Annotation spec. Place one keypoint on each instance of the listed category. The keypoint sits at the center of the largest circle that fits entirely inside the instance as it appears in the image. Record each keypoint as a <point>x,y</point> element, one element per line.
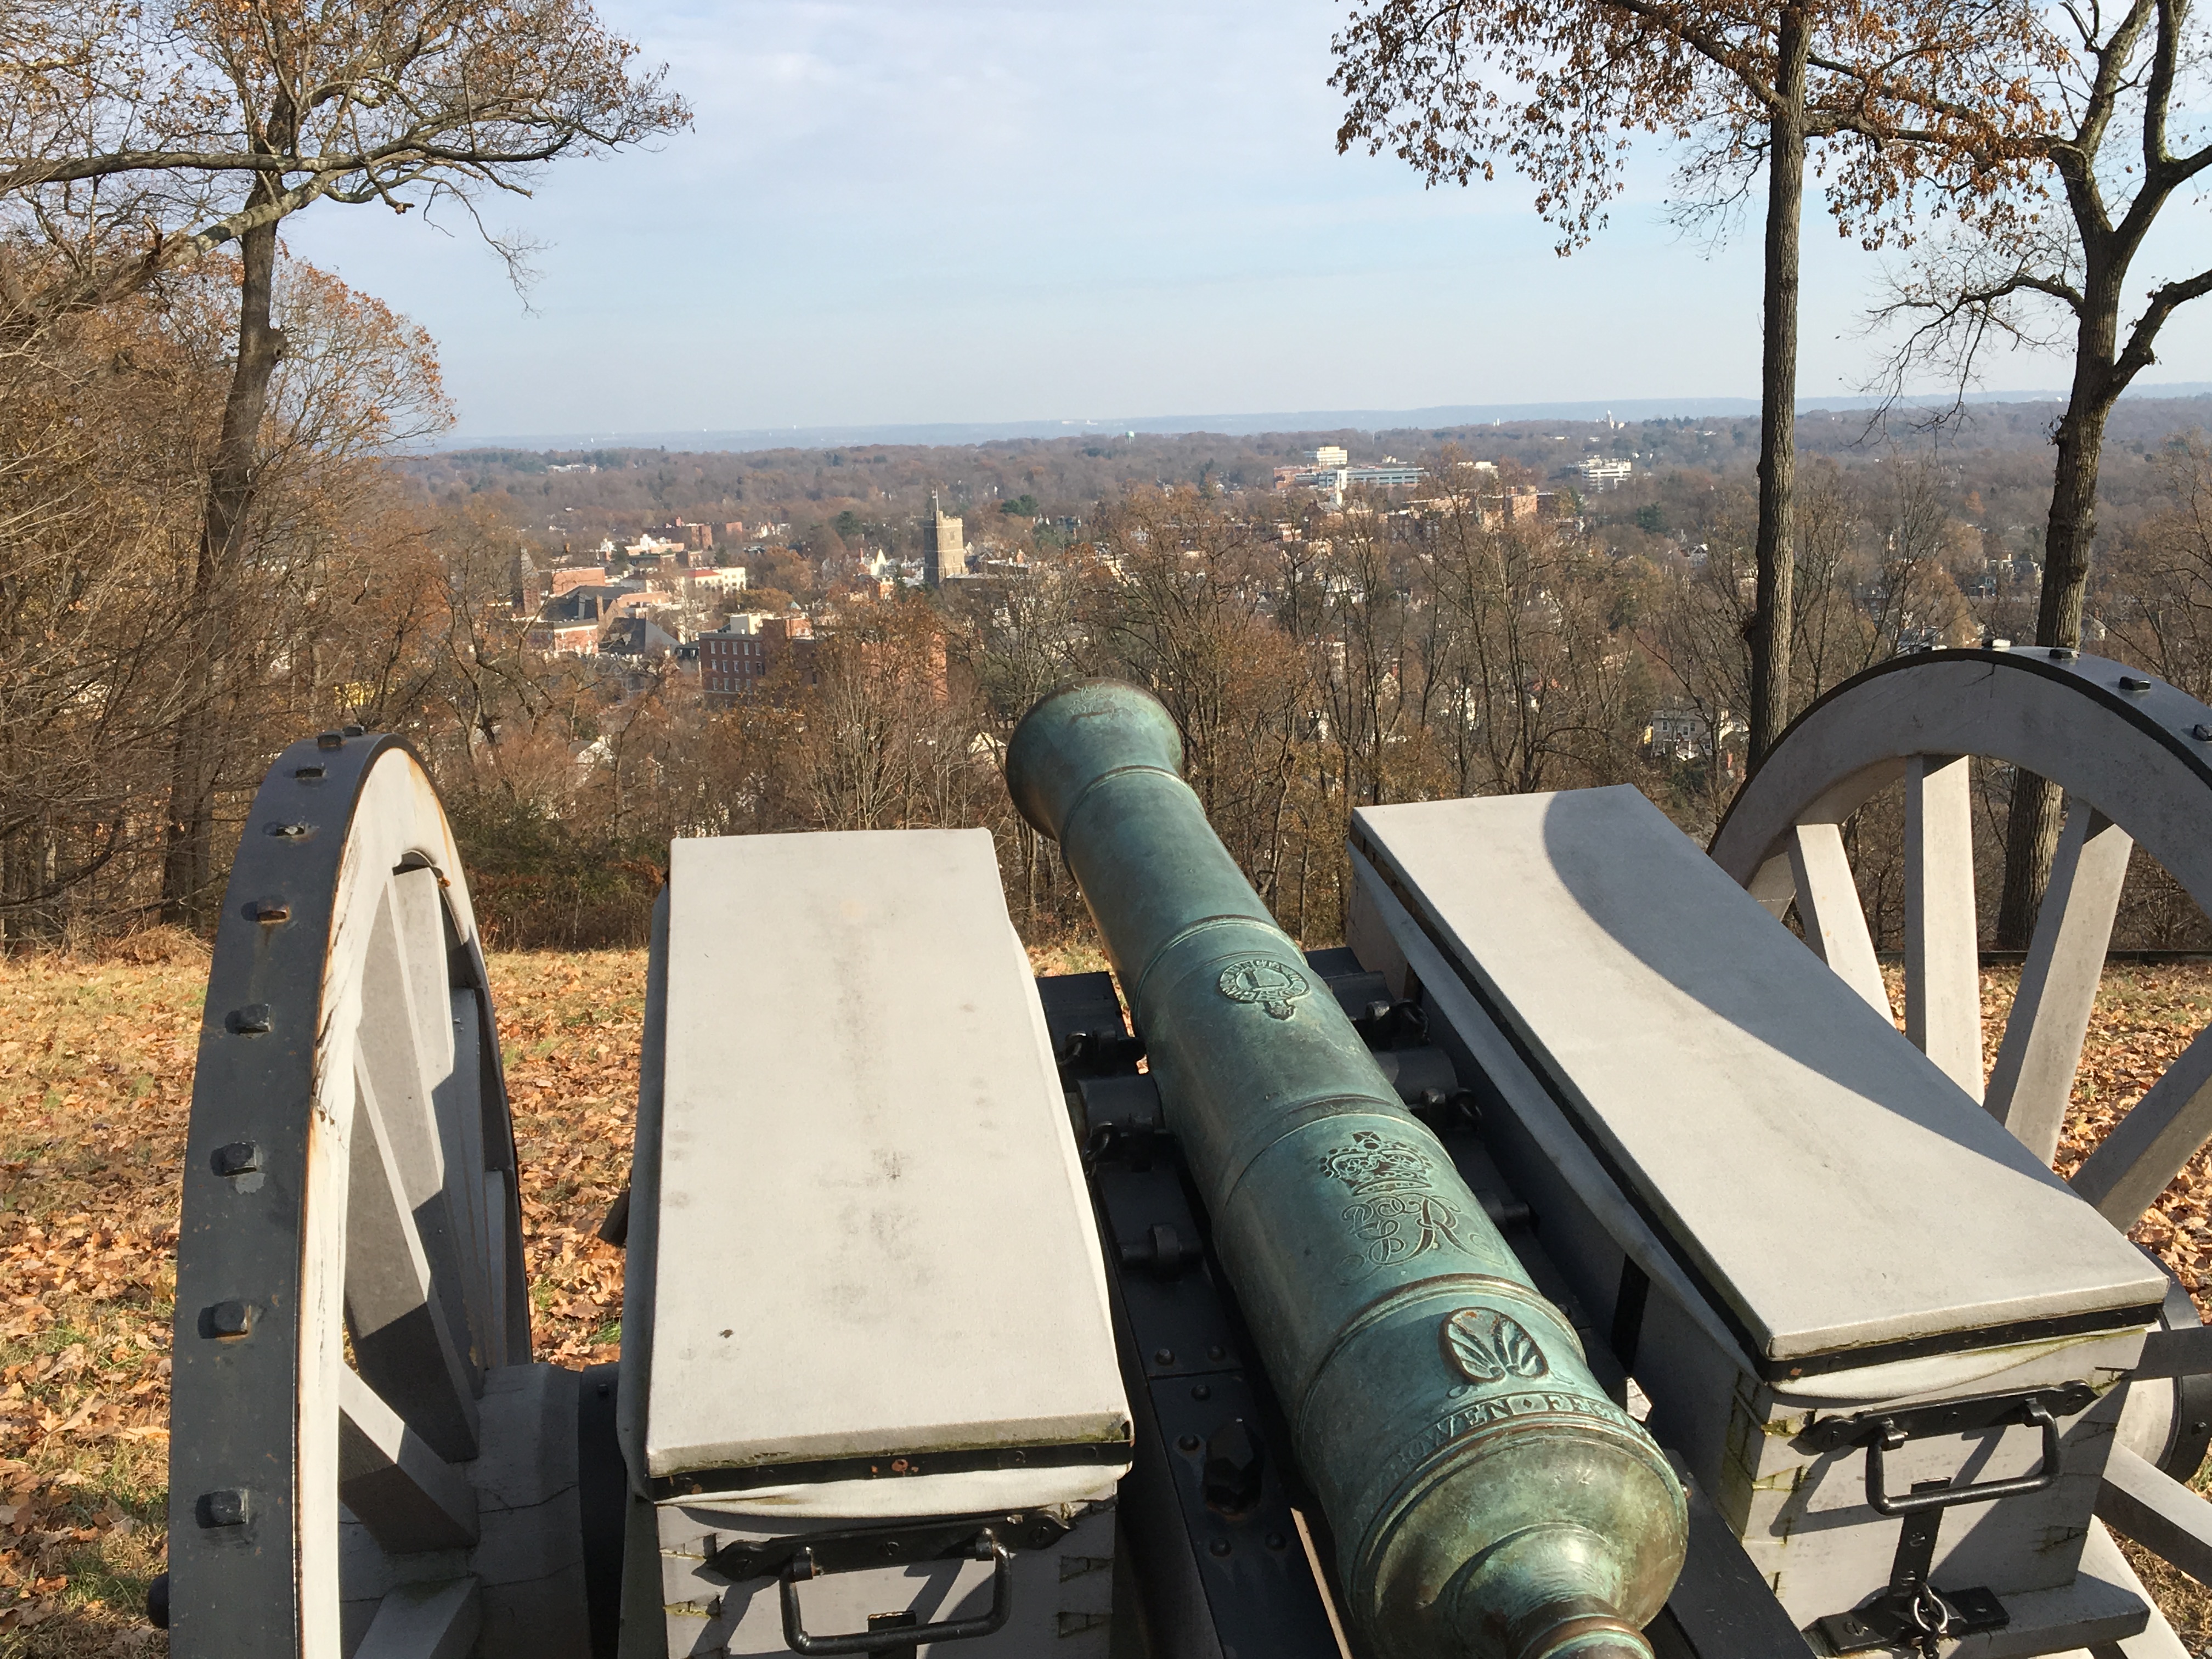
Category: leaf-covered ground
<point>96,1085</point>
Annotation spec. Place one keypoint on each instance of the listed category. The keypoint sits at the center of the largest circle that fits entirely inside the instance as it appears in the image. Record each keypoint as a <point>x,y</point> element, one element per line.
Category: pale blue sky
<point>935,210</point>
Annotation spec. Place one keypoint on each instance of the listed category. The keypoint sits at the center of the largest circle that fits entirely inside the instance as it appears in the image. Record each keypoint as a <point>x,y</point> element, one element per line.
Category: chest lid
<point>1838,1199</point>
<point>875,1252</point>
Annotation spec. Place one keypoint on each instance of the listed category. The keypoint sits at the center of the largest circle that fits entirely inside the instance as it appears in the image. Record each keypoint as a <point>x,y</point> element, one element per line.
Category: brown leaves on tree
<point>1558,89</point>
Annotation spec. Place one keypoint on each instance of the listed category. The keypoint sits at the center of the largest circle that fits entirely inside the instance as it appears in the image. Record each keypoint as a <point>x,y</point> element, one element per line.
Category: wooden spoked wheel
<point>350,1260</point>
<point>2134,757</point>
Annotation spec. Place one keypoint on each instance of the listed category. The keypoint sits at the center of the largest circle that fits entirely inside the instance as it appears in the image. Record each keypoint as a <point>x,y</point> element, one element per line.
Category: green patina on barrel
<point>1487,1497</point>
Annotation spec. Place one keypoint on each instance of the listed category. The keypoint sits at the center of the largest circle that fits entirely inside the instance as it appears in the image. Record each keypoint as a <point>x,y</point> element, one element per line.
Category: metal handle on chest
<point>907,1638</point>
<point>1884,1433</point>
<point>1890,1439</point>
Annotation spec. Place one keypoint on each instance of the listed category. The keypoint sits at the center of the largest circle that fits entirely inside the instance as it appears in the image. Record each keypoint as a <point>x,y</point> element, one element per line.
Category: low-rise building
<point>750,650</point>
<point>1389,473</point>
<point>566,636</point>
<point>567,578</point>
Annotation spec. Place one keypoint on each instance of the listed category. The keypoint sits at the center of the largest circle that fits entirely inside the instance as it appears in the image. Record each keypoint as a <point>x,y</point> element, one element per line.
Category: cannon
<point>1488,1498</point>
<point>1578,1261</point>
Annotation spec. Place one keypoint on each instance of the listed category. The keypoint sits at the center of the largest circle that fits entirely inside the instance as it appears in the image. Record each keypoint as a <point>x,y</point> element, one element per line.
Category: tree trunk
<point>195,769</point>
<point>1777,426</point>
<point>2031,827</point>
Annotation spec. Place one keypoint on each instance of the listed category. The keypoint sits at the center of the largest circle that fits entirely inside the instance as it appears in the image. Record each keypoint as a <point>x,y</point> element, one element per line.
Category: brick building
<point>751,652</point>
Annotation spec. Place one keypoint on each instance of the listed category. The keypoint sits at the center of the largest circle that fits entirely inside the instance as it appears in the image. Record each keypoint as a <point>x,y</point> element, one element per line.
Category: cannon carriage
<point>1575,1263</point>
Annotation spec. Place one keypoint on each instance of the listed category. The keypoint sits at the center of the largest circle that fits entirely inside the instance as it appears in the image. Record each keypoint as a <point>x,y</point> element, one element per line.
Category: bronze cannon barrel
<point>1487,1497</point>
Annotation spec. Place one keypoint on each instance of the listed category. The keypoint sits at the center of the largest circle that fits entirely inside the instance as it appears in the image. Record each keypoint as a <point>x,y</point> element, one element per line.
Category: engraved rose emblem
<point>1485,1345</point>
<point>1272,985</point>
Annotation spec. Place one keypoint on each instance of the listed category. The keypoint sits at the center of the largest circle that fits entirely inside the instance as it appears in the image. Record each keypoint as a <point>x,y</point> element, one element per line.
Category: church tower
<point>944,546</point>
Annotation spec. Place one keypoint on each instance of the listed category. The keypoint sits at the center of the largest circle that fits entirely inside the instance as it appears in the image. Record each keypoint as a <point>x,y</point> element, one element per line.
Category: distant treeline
<point>835,499</point>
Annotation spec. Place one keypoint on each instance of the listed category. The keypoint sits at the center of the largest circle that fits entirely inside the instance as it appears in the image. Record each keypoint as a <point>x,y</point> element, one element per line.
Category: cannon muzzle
<point>1487,1498</point>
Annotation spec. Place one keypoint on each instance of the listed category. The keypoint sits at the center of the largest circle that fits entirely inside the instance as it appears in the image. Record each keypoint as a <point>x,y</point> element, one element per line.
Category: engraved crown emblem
<point>1272,985</point>
<point>1485,1345</point>
<point>1370,1162</point>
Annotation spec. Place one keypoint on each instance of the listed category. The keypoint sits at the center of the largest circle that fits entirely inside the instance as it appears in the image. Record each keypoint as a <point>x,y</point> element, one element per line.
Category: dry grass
<point>96,1086</point>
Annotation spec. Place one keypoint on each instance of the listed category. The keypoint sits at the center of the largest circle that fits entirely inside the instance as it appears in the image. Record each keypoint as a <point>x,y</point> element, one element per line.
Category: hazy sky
<point>934,210</point>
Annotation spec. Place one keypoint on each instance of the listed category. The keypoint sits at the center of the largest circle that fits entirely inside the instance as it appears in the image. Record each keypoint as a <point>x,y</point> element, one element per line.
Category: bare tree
<point>2026,274</point>
<point>140,139</point>
<point>2161,577</point>
<point>1557,87</point>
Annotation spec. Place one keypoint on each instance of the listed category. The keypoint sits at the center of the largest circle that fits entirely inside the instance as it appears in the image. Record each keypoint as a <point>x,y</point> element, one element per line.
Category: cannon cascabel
<point>1487,1497</point>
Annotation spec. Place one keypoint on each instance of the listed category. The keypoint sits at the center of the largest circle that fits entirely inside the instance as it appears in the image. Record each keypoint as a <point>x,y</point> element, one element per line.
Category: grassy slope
<point>96,1081</point>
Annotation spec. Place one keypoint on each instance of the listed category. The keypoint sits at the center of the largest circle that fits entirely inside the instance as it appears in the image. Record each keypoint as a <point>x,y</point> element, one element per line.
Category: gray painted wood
<point>2165,1517</point>
<point>873,1234</point>
<point>2155,1641</point>
<point>419,908</point>
<point>1770,1120</point>
<point>424,1621</point>
<point>2145,1150</point>
<point>2034,1076</point>
<point>1942,960</point>
<point>406,1047</point>
<point>408,1496</point>
<point>2135,756</point>
<point>1845,750</point>
<point>2182,1350</point>
<point>401,1341</point>
<point>1828,905</point>
<point>458,1098</point>
<point>393,1048</point>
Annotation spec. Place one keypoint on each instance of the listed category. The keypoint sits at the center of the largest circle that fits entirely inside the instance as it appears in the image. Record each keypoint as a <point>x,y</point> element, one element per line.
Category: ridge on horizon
<point>1250,424</point>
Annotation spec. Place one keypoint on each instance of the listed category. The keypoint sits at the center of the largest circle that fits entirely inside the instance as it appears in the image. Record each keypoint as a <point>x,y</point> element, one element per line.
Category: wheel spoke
<point>400,1338</point>
<point>2140,1501</point>
<point>1775,885</point>
<point>421,914</point>
<point>505,1274</point>
<point>407,1065</point>
<point>2033,1078</point>
<point>1828,904</point>
<point>407,1496</point>
<point>1942,962</point>
<point>424,1621</point>
<point>393,1048</point>
<point>460,1123</point>
<point>2151,1145</point>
